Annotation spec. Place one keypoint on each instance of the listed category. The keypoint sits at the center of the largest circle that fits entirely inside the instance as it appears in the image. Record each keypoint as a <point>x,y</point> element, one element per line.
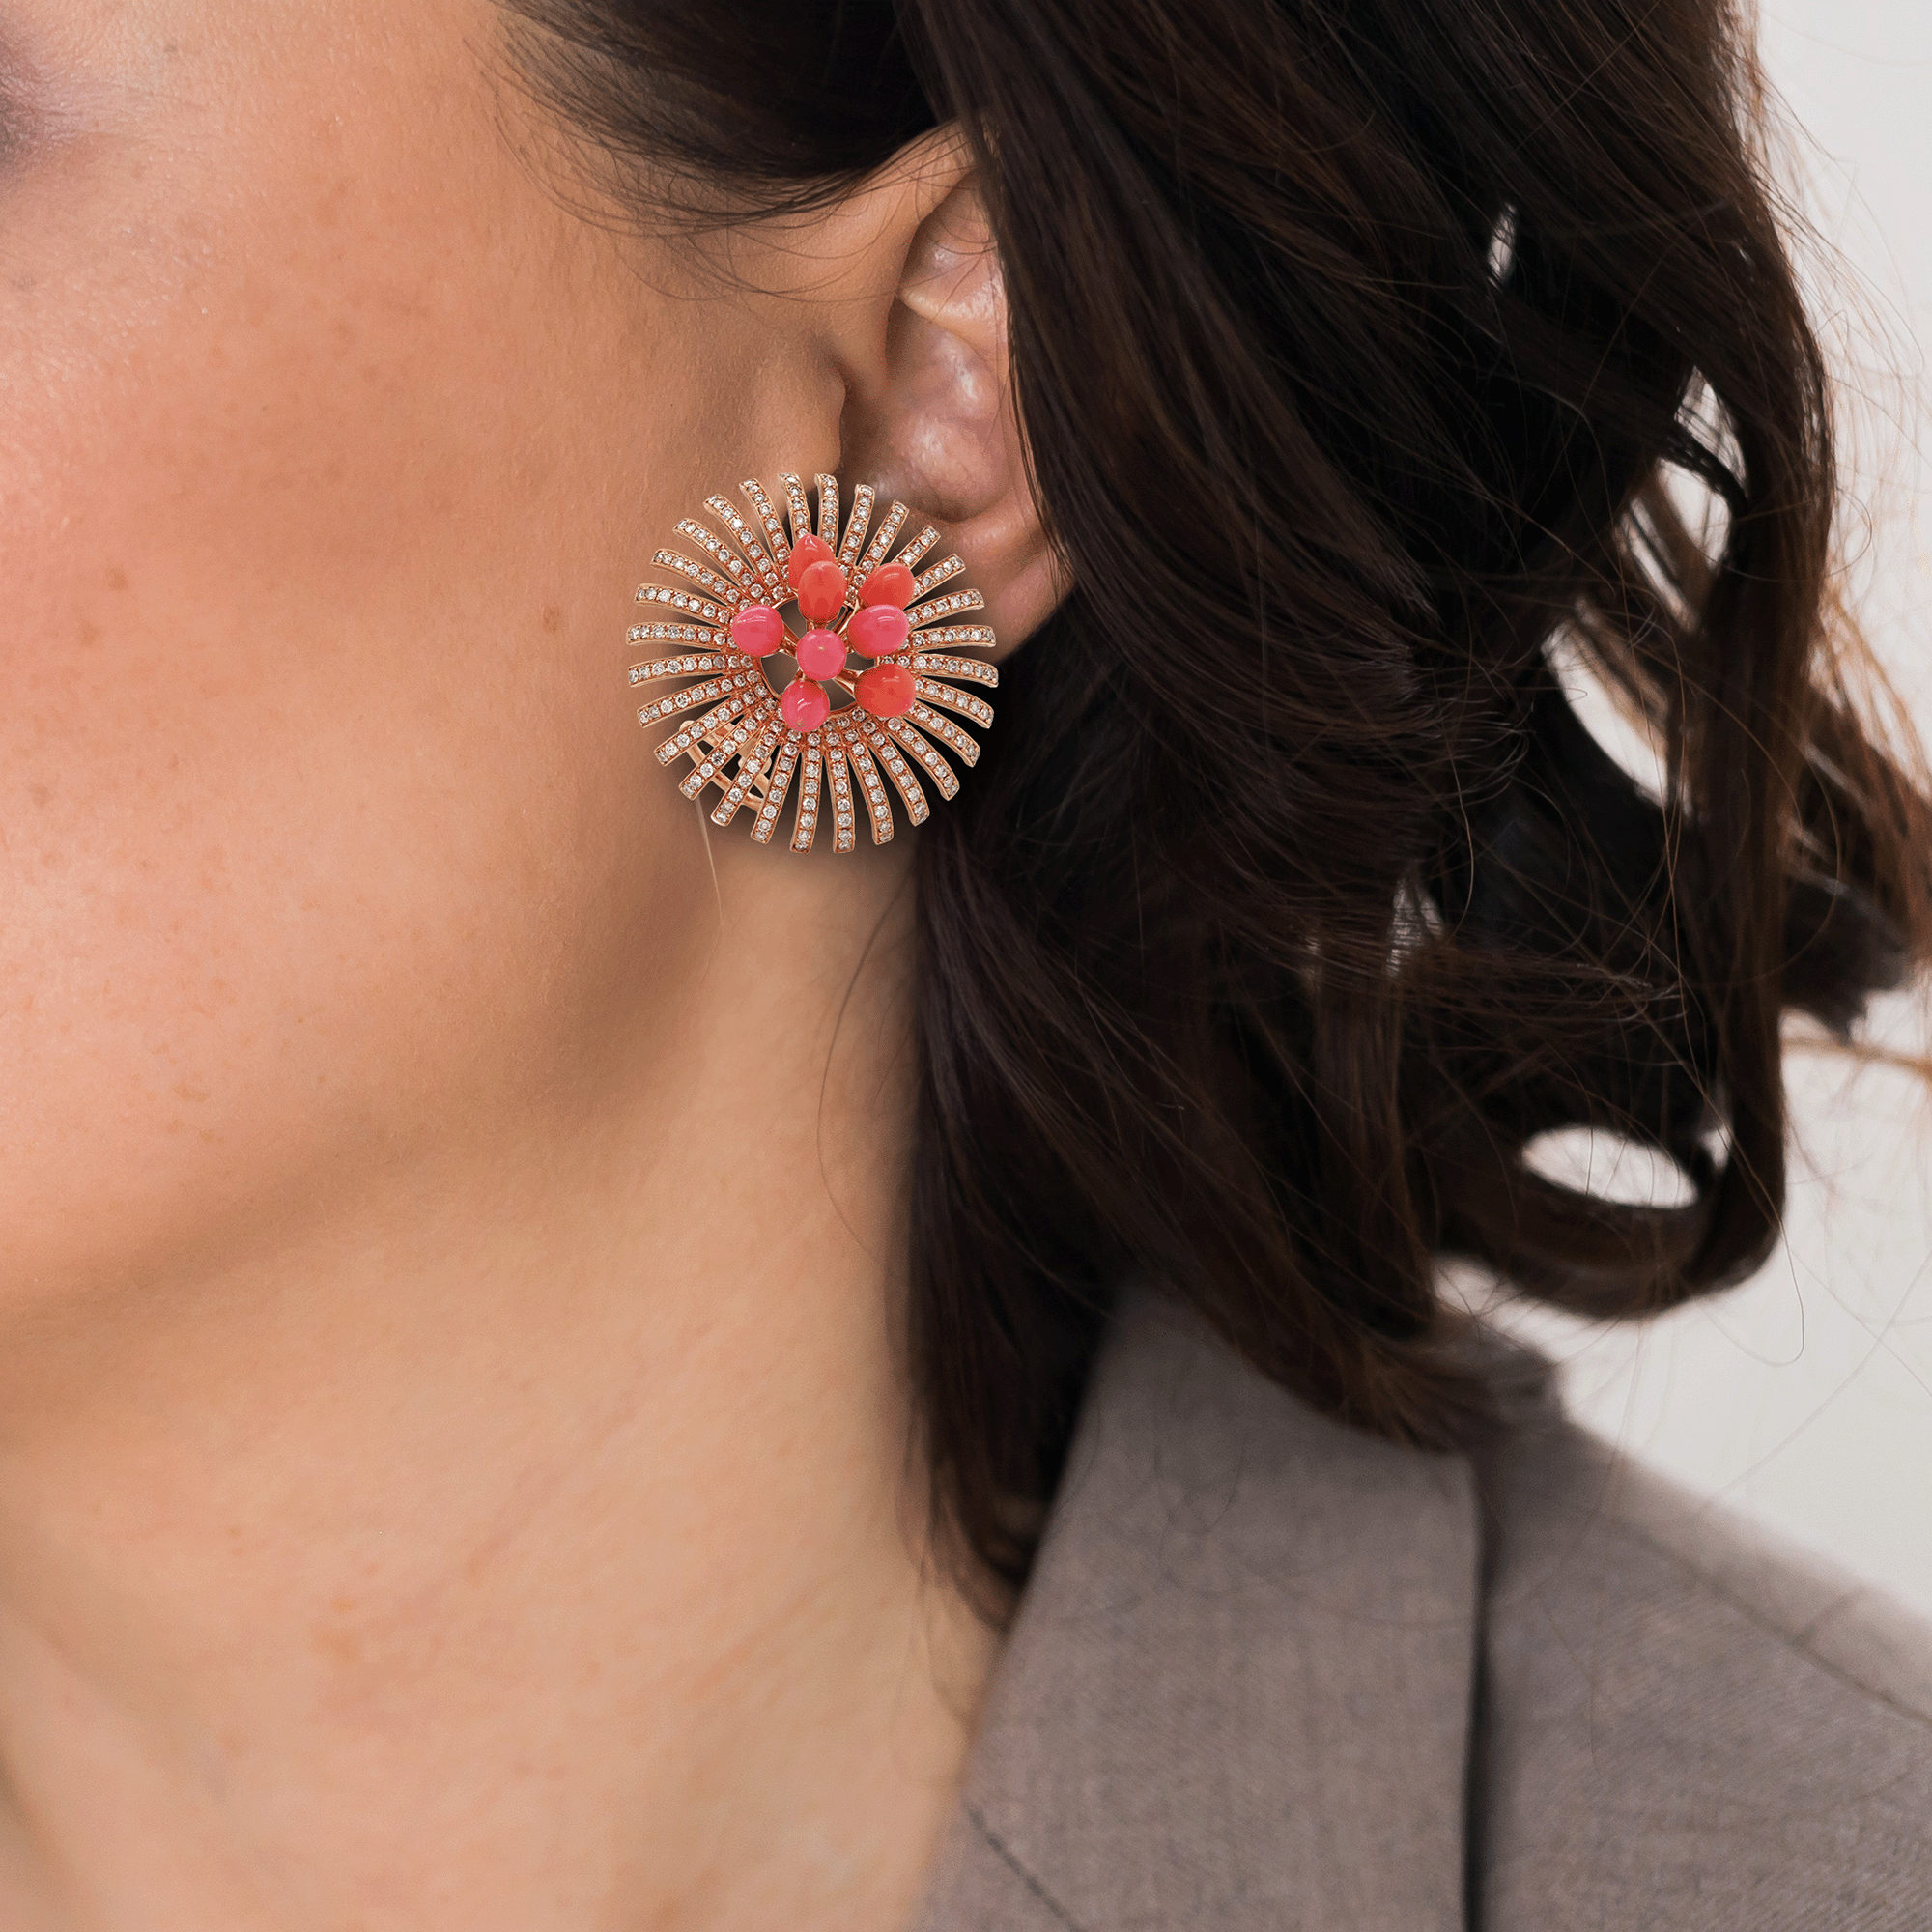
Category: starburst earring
<point>767,594</point>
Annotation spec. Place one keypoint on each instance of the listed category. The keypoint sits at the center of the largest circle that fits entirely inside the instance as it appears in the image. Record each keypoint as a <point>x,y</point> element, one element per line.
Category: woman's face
<point>333,444</point>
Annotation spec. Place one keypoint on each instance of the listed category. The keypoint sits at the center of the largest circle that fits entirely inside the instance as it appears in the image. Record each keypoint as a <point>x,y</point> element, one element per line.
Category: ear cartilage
<point>769,593</point>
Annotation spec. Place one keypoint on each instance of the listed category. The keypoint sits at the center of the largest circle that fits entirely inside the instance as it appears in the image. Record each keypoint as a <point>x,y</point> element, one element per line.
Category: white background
<point>1805,1398</point>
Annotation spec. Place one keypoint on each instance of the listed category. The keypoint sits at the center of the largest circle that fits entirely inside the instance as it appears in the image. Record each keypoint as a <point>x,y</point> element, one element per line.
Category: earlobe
<point>935,422</point>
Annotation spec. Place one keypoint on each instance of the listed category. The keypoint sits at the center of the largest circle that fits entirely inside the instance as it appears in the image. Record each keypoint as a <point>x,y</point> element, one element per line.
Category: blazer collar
<point>1238,1694</point>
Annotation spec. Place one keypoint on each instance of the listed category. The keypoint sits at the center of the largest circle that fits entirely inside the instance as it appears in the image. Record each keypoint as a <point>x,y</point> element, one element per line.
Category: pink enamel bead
<point>890,584</point>
<point>804,706</point>
<point>878,630</point>
<point>821,592</point>
<point>886,690</point>
<point>821,654</point>
<point>805,553</point>
<point>757,630</point>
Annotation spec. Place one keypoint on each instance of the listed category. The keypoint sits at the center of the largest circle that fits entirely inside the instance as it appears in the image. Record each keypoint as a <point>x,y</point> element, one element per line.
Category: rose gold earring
<point>747,730</point>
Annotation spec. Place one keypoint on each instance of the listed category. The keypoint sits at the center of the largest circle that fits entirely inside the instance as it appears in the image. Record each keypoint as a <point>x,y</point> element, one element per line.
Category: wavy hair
<point>1376,356</point>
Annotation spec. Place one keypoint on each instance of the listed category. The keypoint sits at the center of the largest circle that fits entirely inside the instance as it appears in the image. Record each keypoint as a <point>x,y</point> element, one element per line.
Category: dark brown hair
<point>1368,350</point>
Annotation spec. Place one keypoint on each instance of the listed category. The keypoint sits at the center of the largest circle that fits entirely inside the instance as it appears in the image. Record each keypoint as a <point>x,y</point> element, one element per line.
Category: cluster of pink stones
<point>878,628</point>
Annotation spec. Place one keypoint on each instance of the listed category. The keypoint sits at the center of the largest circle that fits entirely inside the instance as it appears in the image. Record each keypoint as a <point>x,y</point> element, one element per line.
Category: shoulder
<point>1271,1671</point>
<point>1680,1722</point>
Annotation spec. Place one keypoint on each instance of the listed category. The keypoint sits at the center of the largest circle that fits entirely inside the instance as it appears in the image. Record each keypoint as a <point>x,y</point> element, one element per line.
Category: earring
<point>748,728</point>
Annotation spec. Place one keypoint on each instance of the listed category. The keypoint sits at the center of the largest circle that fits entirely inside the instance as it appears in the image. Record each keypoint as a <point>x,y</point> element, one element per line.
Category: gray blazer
<point>1271,1673</point>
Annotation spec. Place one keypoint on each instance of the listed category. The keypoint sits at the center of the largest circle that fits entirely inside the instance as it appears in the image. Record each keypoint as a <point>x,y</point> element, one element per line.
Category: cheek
<point>319,818</point>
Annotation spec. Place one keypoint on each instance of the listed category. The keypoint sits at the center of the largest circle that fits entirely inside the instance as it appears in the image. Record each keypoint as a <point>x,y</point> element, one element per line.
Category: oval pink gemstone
<point>820,654</point>
<point>821,592</point>
<point>757,630</point>
<point>805,553</point>
<point>805,705</point>
<point>886,690</point>
<point>890,584</point>
<point>878,630</point>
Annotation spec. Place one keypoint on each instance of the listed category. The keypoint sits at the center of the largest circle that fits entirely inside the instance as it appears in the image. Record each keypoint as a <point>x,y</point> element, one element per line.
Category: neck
<point>532,1539</point>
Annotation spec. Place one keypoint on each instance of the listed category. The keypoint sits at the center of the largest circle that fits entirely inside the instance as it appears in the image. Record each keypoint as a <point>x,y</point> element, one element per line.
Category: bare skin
<point>455,1459</point>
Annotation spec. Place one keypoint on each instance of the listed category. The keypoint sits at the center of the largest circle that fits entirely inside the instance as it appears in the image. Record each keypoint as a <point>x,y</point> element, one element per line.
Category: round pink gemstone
<point>890,584</point>
<point>878,630</point>
<point>805,553</point>
<point>820,654</point>
<point>886,690</point>
<point>805,705</point>
<point>757,630</point>
<point>821,590</point>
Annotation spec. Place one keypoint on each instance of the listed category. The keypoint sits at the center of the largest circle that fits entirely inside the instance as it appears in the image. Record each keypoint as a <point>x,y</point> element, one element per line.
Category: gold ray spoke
<point>940,573</point>
<point>860,515</point>
<point>947,732</point>
<point>974,636</point>
<point>924,757</point>
<point>722,589</point>
<point>743,788</point>
<point>845,832</point>
<point>899,770</point>
<point>649,673</point>
<point>961,701</point>
<point>874,786</point>
<point>882,542</point>
<point>954,602</point>
<point>800,510</point>
<point>771,581</point>
<point>917,548</point>
<point>807,822</point>
<point>772,792</point>
<point>694,695</point>
<point>753,492</point>
<point>710,768</point>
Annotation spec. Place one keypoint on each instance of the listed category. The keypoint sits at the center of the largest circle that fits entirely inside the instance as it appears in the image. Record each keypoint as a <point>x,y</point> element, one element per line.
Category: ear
<point>930,414</point>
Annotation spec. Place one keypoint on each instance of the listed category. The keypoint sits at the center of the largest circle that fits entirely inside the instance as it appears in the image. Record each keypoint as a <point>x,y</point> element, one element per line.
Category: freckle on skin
<point>40,794</point>
<point>552,617</point>
<point>338,1644</point>
<point>186,1093</point>
<point>117,578</point>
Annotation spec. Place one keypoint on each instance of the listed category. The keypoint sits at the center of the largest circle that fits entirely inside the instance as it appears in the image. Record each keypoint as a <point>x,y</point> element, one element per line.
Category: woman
<point>564,1366</point>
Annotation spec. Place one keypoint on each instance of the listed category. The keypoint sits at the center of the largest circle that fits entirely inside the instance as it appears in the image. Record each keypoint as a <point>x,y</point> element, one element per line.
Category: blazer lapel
<point>1238,1692</point>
